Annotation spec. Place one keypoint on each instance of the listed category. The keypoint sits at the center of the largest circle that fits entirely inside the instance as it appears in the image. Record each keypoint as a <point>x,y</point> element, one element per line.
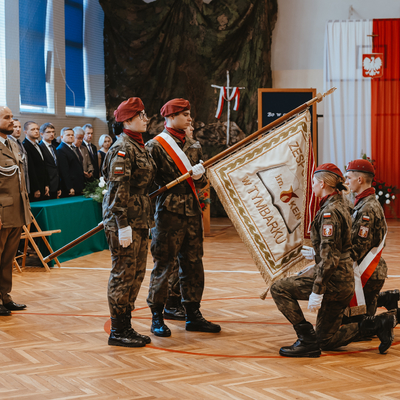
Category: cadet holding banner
<point>329,285</point>
<point>178,231</point>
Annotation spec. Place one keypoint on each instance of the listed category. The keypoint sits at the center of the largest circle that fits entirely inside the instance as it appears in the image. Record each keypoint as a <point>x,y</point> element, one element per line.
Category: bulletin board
<point>273,103</point>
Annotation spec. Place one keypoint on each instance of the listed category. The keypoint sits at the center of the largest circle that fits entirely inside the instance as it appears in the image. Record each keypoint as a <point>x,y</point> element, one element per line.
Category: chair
<point>29,236</point>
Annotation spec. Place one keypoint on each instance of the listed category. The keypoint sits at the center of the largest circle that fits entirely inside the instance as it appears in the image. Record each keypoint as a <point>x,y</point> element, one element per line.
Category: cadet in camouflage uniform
<point>368,230</point>
<point>129,172</point>
<point>178,231</point>
<point>329,285</point>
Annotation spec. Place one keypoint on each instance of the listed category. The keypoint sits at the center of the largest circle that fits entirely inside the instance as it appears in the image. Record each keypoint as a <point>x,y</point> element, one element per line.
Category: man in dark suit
<point>70,167</point>
<point>38,176</point>
<point>47,132</point>
<point>92,149</point>
<point>14,209</point>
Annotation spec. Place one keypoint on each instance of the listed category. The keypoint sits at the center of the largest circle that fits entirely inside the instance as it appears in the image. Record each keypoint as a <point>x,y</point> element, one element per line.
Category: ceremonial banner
<point>263,188</point>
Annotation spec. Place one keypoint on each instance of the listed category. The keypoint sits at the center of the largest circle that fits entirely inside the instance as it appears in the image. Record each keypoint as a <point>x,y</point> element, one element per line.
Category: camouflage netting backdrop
<point>178,48</point>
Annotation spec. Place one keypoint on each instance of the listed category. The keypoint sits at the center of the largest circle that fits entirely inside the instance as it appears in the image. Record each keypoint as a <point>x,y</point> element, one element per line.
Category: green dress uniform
<point>129,171</point>
<point>178,230</point>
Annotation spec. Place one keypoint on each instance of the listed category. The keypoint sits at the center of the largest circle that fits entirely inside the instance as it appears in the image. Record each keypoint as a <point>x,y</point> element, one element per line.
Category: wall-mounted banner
<point>263,189</point>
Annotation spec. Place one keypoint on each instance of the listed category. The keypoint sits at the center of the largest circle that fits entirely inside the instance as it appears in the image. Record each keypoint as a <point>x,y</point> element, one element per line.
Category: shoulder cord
<point>10,171</point>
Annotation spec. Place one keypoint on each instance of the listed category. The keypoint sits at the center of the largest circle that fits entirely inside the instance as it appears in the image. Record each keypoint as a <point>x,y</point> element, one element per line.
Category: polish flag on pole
<point>235,94</point>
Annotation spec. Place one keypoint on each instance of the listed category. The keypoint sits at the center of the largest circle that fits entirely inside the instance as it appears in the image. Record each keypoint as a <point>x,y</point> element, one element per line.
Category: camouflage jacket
<point>179,199</point>
<point>331,239</point>
<point>129,172</point>
<point>368,230</point>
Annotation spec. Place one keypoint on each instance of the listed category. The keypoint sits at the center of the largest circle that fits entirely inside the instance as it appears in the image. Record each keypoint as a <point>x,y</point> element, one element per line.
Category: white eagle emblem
<point>372,66</point>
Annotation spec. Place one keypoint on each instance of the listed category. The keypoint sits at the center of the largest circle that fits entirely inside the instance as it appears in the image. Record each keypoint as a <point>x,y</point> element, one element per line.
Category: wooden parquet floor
<point>57,348</point>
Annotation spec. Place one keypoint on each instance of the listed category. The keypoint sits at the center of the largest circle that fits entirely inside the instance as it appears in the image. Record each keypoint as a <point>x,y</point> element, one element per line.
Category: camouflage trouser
<point>128,270</point>
<point>174,236</point>
<point>330,334</point>
<point>174,287</point>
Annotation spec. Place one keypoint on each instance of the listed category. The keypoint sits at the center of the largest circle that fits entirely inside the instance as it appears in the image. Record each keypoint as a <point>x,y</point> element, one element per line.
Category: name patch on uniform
<point>121,153</point>
<point>365,218</point>
<point>327,230</point>
<point>327,215</point>
<point>119,170</point>
<point>363,231</point>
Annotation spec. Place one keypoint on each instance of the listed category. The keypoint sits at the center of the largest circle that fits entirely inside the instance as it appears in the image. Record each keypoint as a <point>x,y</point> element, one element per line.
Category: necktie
<point>38,150</point>
<point>8,145</point>
<point>54,155</point>
<point>78,153</point>
<point>89,146</point>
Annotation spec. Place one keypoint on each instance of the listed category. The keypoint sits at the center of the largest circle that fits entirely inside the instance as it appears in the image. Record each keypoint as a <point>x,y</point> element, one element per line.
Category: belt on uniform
<point>343,256</point>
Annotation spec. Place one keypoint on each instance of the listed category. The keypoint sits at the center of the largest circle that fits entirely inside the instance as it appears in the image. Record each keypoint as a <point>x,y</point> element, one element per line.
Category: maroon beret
<point>328,167</point>
<point>361,166</point>
<point>128,109</point>
<point>174,106</point>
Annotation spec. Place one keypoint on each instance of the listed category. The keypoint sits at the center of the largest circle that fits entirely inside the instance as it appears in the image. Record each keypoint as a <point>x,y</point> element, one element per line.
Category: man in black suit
<point>38,176</point>
<point>47,132</point>
<point>70,167</point>
<point>92,149</point>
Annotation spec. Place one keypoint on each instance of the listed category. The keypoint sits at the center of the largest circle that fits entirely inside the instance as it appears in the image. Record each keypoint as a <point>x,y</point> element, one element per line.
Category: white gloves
<point>314,302</point>
<point>308,252</point>
<point>125,236</point>
<point>198,170</point>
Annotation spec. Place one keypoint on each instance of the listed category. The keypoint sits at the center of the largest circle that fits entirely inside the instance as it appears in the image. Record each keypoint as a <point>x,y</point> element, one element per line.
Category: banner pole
<point>206,164</point>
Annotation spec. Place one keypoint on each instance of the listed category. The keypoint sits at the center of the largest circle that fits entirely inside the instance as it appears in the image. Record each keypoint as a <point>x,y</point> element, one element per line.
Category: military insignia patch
<point>363,231</point>
<point>327,215</point>
<point>327,230</point>
<point>121,153</point>
<point>119,170</point>
<point>365,218</point>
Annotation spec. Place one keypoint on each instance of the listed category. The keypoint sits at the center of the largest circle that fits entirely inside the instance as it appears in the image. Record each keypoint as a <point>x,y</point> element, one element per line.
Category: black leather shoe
<point>174,311</point>
<point>389,299</point>
<point>195,322</point>
<point>158,326</point>
<point>306,344</point>
<point>14,306</point>
<point>3,311</point>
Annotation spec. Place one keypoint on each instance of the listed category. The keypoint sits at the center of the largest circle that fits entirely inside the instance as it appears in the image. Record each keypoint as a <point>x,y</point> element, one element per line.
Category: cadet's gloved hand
<point>308,252</point>
<point>314,302</point>
<point>198,170</point>
<point>125,236</point>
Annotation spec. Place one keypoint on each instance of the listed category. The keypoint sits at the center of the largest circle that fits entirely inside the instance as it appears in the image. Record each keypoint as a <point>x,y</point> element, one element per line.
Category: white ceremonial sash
<point>362,273</point>
<point>181,155</point>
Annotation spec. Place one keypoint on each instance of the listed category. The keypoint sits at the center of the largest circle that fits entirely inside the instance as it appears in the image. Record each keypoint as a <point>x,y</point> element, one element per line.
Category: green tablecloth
<point>74,216</point>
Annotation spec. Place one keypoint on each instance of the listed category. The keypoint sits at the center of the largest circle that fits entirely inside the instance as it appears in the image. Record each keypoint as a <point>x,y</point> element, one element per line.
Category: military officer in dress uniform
<point>178,231</point>
<point>329,285</point>
<point>14,208</point>
<point>129,172</point>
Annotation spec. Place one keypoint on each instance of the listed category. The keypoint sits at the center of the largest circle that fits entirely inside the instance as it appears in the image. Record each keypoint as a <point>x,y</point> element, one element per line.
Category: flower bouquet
<point>96,189</point>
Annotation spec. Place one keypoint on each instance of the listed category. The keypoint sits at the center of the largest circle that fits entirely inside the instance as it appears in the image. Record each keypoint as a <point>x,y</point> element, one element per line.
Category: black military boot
<point>306,345</point>
<point>121,335</point>
<point>381,325</point>
<point>389,299</point>
<point>157,325</point>
<point>195,322</point>
<point>173,309</point>
<point>128,323</point>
